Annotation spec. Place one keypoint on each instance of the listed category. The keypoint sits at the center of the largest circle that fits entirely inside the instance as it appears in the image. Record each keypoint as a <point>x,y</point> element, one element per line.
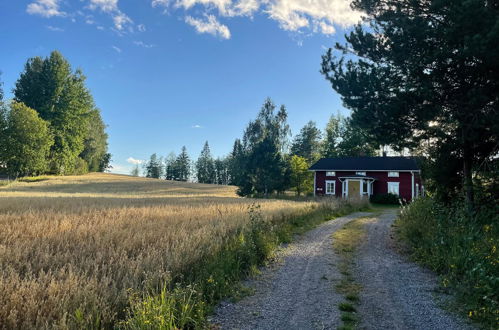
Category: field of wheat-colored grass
<point>80,244</point>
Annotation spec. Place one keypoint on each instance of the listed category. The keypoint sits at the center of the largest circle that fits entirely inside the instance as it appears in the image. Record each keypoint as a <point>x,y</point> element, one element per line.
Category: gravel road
<point>397,294</point>
<point>295,293</point>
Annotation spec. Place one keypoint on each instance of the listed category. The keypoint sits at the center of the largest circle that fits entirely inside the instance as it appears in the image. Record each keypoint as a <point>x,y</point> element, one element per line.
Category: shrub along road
<point>297,292</point>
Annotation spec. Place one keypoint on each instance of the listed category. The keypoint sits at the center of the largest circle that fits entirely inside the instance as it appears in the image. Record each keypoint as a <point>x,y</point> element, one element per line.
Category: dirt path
<point>298,291</point>
<point>295,293</point>
<point>397,294</point>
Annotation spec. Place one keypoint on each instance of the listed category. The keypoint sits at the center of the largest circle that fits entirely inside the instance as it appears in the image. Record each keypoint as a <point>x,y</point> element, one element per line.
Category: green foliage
<point>178,168</point>
<point>182,166</point>
<point>405,93</point>
<point>265,138</point>
<point>461,247</point>
<point>387,198</point>
<point>154,167</point>
<point>60,96</point>
<point>301,178</point>
<point>184,302</point>
<point>307,143</point>
<point>205,166</point>
<point>346,139</point>
<point>237,162</point>
<point>26,141</point>
<point>95,143</point>
<point>222,171</point>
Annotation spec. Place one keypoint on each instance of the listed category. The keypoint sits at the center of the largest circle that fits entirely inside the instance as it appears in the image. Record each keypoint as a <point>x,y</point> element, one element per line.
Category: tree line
<point>52,125</point>
<point>266,160</point>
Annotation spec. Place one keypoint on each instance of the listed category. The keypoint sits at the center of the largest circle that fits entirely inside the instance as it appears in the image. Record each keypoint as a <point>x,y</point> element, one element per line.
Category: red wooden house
<point>367,176</point>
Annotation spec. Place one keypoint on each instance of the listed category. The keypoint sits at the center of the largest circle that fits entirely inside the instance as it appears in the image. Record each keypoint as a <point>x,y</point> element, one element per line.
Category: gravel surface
<point>397,294</point>
<point>297,292</point>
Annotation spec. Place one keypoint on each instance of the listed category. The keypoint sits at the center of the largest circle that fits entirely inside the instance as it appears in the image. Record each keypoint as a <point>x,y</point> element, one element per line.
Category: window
<point>365,188</point>
<point>330,173</point>
<point>393,174</point>
<point>393,188</point>
<point>330,187</point>
<point>361,173</point>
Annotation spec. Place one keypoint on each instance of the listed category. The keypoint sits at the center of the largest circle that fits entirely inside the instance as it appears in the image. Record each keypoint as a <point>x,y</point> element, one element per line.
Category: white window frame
<point>395,184</point>
<point>334,187</point>
<point>360,173</point>
<point>330,173</point>
<point>393,174</point>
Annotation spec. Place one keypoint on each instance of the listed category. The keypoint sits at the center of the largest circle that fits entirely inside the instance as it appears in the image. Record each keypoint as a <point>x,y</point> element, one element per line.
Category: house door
<point>353,188</point>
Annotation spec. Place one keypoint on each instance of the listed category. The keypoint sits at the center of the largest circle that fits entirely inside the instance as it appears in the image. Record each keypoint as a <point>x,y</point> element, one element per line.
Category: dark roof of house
<point>366,164</point>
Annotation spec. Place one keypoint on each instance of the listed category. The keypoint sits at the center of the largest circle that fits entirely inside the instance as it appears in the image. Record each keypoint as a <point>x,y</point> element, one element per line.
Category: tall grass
<point>462,248</point>
<point>89,251</point>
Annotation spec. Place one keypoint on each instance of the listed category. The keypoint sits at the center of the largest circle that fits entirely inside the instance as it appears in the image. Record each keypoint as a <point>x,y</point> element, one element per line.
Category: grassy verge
<point>345,243</point>
<point>460,247</point>
<point>188,298</point>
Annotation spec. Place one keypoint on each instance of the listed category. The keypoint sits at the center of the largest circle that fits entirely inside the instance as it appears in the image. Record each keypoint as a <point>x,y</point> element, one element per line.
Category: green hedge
<point>462,248</point>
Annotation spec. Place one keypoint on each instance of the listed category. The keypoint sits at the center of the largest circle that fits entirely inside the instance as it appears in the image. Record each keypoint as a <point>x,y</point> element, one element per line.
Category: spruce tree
<point>307,144</point>
<point>205,166</point>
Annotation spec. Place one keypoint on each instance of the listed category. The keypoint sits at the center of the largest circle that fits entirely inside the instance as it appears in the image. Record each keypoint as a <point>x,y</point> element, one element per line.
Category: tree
<point>237,164</point>
<point>222,171</point>
<point>301,178</point>
<point>135,171</point>
<point>170,166</point>
<point>60,96</point>
<point>264,142</point>
<point>205,166</point>
<point>355,141</point>
<point>424,71</point>
<point>95,143</point>
<point>154,167</point>
<point>332,137</point>
<point>27,141</point>
<point>182,167</point>
<point>307,144</point>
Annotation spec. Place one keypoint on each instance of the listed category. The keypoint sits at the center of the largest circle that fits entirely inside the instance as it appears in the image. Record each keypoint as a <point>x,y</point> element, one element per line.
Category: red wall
<point>380,186</point>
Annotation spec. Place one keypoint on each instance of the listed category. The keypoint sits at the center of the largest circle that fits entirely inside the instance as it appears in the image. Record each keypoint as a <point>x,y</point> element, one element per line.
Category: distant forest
<point>266,160</point>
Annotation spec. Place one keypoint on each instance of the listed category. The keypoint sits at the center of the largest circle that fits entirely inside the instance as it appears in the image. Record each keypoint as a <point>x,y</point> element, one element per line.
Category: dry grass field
<point>75,247</point>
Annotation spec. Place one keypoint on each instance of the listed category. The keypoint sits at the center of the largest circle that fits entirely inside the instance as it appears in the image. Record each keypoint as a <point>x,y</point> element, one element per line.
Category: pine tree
<point>135,171</point>
<point>154,167</point>
<point>307,144</point>
<point>182,168</point>
<point>205,167</point>
<point>170,166</point>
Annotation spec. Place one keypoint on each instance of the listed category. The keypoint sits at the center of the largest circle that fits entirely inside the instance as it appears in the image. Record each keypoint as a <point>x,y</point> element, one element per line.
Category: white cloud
<point>120,19</point>
<point>211,26</point>
<point>143,44</point>
<point>107,6</point>
<point>196,126</point>
<point>141,28</point>
<point>45,8</point>
<point>54,28</point>
<point>134,161</point>
<point>296,14</point>
<point>312,16</point>
<point>117,49</point>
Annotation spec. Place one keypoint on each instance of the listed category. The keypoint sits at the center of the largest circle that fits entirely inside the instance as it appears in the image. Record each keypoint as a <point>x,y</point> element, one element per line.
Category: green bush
<point>385,199</point>
<point>462,248</point>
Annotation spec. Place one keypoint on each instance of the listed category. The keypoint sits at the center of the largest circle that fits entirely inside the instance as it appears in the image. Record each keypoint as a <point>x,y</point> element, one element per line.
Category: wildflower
<point>211,280</point>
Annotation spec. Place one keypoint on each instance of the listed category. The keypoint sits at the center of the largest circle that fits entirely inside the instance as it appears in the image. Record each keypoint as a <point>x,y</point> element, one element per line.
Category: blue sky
<point>168,73</point>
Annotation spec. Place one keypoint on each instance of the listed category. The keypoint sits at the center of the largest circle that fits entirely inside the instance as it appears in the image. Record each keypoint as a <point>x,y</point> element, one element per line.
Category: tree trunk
<point>468,177</point>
